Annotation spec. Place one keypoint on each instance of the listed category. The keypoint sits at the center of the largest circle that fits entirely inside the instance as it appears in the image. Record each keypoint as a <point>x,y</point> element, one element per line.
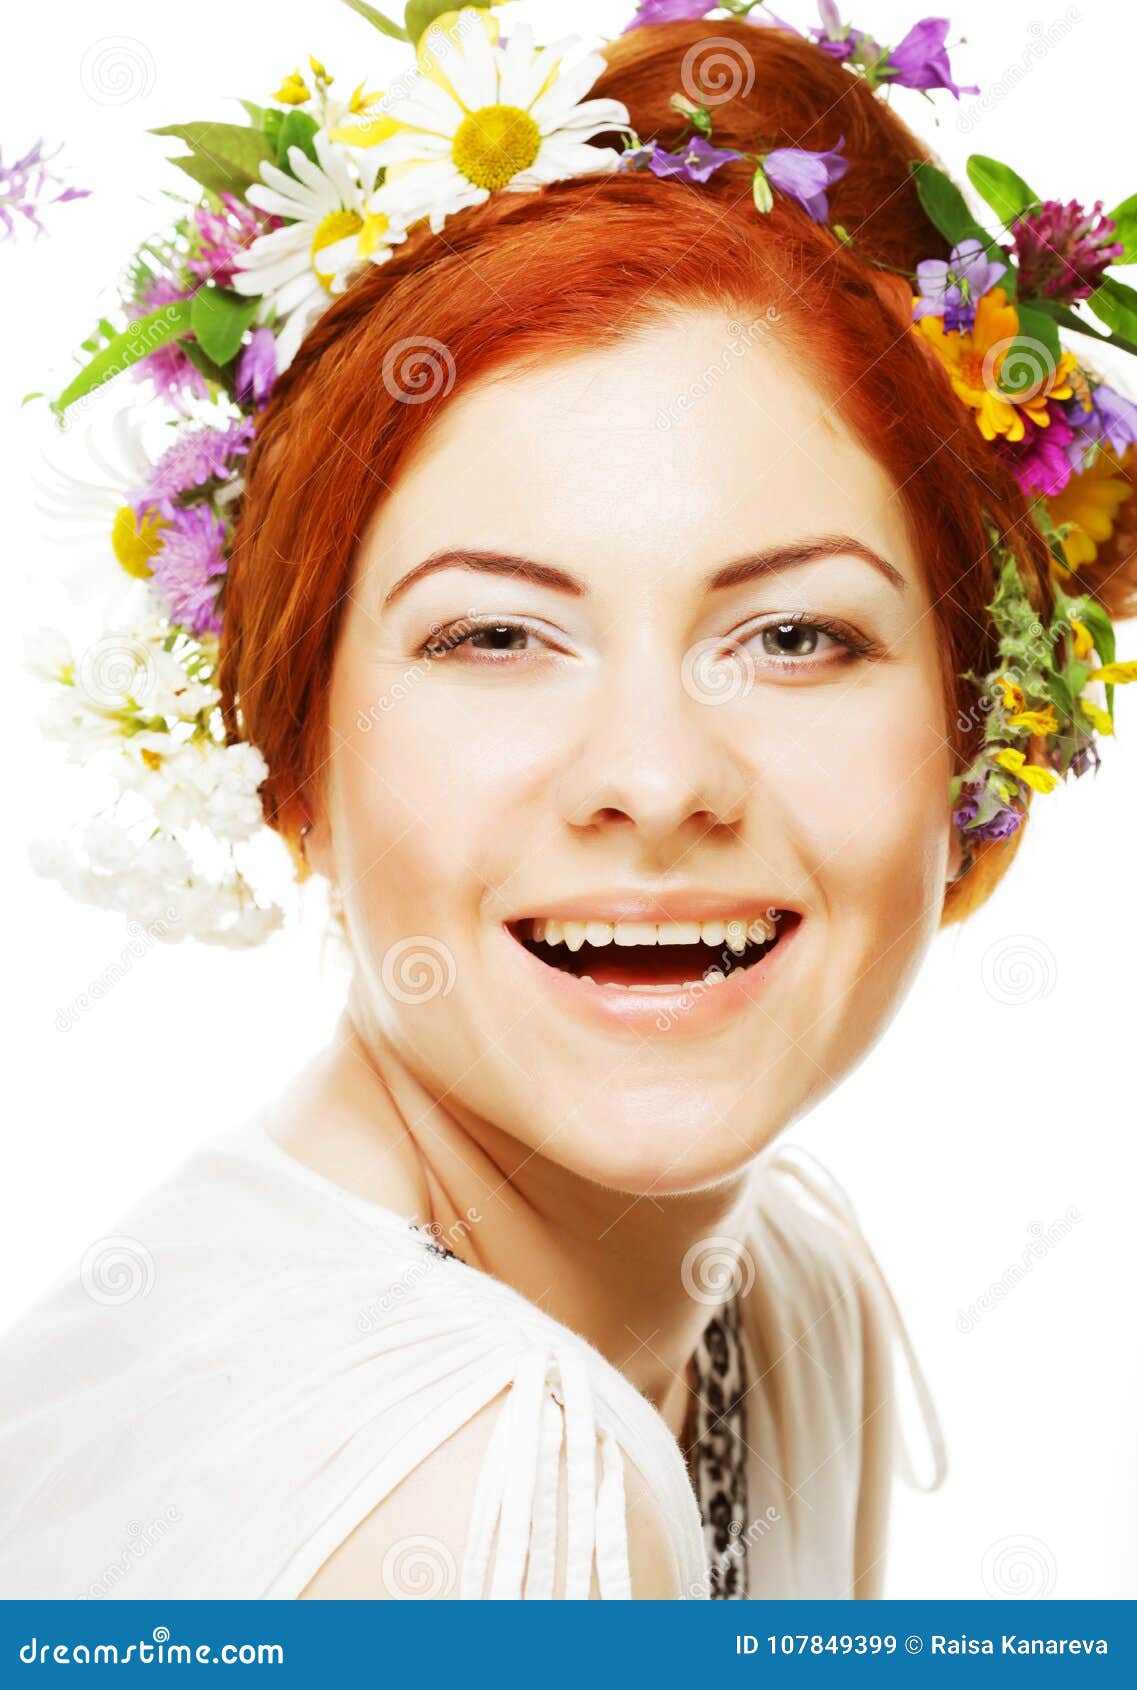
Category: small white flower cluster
<point>138,698</point>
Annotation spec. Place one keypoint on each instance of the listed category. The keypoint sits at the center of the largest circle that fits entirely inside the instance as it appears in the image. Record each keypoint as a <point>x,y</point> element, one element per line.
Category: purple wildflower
<point>951,286</point>
<point>965,811</point>
<point>1002,824</point>
<point>805,176</point>
<point>197,456</point>
<point>921,61</point>
<point>841,41</point>
<point>1064,250</point>
<point>23,183</point>
<point>670,11</point>
<point>697,162</point>
<point>187,567</point>
<point>173,377</point>
<point>256,368</point>
<point>1040,460</point>
<point>1110,417</point>
<point>221,235</point>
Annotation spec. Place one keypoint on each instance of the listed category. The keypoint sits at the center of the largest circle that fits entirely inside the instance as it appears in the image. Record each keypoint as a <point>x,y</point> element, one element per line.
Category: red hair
<point>535,276</point>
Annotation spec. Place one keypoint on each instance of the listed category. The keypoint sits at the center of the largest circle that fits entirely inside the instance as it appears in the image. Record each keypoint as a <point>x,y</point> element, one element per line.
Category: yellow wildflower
<point>293,91</point>
<point>1097,718</point>
<point>1115,674</point>
<point>975,360</point>
<point>1035,721</point>
<point>1083,639</point>
<point>1042,780</point>
<point>1013,696</point>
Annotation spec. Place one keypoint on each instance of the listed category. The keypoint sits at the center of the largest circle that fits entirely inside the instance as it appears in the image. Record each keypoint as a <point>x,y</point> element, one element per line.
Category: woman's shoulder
<point>833,1356</point>
<point>264,1360</point>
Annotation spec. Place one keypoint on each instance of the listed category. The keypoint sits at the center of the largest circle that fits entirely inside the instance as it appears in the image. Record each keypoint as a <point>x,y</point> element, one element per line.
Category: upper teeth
<point>735,932</point>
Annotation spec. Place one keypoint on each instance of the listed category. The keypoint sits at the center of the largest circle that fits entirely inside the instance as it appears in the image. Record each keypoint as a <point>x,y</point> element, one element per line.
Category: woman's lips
<point>670,987</point>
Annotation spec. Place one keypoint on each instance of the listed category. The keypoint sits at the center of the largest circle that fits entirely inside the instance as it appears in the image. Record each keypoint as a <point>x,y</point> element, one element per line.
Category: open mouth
<point>654,956</point>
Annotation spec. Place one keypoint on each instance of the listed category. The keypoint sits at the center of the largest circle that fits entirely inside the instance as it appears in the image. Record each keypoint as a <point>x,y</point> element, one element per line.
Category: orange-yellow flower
<point>974,362</point>
<point>1089,503</point>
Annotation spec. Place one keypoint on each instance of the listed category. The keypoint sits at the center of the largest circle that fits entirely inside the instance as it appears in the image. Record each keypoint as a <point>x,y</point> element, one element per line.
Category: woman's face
<point>605,720</point>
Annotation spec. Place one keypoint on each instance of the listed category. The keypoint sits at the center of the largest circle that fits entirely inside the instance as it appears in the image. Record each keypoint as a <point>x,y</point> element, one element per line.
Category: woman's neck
<point>607,1264</point>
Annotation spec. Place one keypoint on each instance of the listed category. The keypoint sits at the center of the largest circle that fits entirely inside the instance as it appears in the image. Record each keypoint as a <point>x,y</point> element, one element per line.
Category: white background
<point>1000,1100</point>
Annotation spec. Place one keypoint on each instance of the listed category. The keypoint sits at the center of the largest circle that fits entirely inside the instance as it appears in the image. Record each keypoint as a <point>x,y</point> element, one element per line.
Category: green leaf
<point>1005,191</point>
<point>296,130</point>
<point>1035,329</point>
<point>236,151</point>
<point>1116,304</point>
<point>377,20</point>
<point>219,318</point>
<point>136,341</point>
<point>217,178</point>
<point>420,14</point>
<point>943,202</point>
<point>1070,320</point>
<point>1125,216</point>
<point>1096,619</point>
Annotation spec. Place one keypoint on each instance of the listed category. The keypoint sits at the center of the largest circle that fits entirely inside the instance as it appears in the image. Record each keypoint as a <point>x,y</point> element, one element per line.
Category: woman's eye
<point>491,637</point>
<point>792,639</point>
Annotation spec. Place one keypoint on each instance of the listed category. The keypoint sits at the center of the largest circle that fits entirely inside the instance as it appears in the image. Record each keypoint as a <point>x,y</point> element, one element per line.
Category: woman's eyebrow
<point>770,561</point>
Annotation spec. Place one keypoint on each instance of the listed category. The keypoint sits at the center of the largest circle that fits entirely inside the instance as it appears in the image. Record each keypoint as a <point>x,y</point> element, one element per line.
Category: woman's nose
<point>659,754</point>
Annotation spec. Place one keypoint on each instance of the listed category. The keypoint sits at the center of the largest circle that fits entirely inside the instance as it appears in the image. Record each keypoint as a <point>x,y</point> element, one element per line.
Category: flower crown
<point>314,187</point>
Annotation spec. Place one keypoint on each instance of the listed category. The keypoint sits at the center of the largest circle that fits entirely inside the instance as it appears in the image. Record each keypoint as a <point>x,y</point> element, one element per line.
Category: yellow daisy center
<point>493,144</point>
<point>135,540</point>
<point>336,226</point>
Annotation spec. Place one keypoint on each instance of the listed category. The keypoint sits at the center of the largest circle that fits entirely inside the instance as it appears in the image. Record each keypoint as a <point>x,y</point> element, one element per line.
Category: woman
<point>606,567</point>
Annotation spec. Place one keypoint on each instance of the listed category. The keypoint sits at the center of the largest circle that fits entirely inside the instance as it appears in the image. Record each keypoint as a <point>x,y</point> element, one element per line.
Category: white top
<point>256,1358</point>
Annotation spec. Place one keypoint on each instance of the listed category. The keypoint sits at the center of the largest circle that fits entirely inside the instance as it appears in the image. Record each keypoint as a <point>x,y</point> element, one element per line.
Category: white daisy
<point>328,234</point>
<point>478,118</point>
